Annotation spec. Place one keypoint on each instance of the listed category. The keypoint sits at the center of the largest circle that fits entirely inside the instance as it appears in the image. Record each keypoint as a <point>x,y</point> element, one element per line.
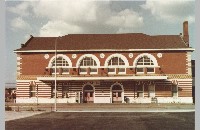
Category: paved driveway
<point>104,121</point>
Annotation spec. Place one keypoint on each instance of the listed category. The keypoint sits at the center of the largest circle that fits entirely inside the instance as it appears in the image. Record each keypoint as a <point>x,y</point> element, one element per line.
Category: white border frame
<point>122,91</point>
<point>93,57</point>
<point>60,55</point>
<point>149,56</point>
<point>63,56</point>
<point>93,90</point>
<point>117,66</point>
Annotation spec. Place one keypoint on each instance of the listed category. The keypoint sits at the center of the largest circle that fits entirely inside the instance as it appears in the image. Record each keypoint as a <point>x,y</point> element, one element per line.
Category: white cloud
<point>58,28</point>
<point>171,10</point>
<point>19,23</point>
<point>78,10</point>
<point>90,16</point>
<point>127,19</point>
<point>21,9</point>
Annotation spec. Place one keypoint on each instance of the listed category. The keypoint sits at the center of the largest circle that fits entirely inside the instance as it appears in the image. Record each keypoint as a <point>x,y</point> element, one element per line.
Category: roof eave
<point>103,50</point>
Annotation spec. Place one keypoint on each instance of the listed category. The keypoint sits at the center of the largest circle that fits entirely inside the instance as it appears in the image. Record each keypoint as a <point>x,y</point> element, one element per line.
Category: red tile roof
<point>105,41</point>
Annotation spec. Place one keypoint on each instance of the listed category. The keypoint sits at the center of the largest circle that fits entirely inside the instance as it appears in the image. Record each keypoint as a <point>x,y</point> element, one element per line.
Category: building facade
<point>105,68</point>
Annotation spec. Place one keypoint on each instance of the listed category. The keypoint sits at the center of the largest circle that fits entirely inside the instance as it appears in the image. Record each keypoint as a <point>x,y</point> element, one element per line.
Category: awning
<point>103,78</point>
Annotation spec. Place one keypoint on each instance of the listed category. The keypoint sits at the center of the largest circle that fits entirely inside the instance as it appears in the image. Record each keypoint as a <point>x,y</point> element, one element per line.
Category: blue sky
<point>57,18</point>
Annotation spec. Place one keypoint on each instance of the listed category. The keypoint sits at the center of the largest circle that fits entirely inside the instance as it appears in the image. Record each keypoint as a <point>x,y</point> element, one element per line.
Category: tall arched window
<point>62,63</point>
<point>145,62</point>
<point>116,63</point>
<point>88,62</point>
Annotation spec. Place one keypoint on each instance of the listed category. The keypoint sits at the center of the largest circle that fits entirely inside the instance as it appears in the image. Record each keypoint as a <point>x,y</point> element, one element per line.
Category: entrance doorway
<point>88,94</point>
<point>151,89</point>
<point>140,90</point>
<point>117,94</point>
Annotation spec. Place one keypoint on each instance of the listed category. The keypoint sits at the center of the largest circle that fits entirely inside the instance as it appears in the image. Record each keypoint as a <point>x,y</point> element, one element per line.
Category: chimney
<point>185,33</point>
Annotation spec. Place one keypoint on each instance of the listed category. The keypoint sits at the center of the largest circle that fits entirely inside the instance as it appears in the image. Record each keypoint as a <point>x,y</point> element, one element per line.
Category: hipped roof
<point>105,41</point>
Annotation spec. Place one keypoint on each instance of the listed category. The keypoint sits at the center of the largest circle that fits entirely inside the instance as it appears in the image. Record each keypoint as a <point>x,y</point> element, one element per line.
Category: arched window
<point>145,62</point>
<point>60,63</point>
<point>116,63</point>
<point>88,62</point>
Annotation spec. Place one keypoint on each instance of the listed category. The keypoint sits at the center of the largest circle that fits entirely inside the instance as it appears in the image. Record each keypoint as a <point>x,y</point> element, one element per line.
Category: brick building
<point>105,68</point>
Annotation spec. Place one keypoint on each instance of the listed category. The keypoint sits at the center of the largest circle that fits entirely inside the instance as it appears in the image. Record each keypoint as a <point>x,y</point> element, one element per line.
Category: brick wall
<point>170,62</point>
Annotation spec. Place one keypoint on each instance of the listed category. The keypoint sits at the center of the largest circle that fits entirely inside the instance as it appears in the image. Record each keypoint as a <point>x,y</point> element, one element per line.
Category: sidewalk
<point>104,107</point>
<point>26,110</point>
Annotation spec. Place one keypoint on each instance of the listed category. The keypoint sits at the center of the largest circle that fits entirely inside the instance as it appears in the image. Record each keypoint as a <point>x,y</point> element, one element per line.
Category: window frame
<point>116,66</point>
<point>33,91</point>
<point>145,62</point>
<point>142,72</point>
<point>85,66</point>
<point>60,66</point>
<point>123,72</point>
<point>151,68</point>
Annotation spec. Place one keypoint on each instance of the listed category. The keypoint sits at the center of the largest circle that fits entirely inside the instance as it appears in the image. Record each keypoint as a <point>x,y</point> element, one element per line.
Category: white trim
<point>111,91</point>
<point>173,91</point>
<point>180,79</point>
<point>117,55</point>
<point>116,84</point>
<point>153,91</point>
<point>151,72</point>
<point>84,91</point>
<point>116,67</point>
<point>140,72</point>
<point>122,72</point>
<point>105,78</point>
<point>82,72</point>
<point>27,81</point>
<point>88,55</point>
<point>88,84</point>
<point>60,55</point>
<point>149,56</point>
<point>167,49</point>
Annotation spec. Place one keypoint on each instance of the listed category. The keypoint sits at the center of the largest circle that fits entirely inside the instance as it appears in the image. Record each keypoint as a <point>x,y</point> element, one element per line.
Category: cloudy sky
<point>61,17</point>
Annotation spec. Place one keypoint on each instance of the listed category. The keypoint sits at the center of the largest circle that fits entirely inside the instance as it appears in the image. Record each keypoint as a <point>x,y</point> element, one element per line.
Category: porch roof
<point>103,78</point>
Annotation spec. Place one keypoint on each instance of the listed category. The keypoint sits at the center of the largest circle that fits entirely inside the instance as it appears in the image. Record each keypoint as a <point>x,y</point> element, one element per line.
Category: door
<point>151,89</point>
<point>116,94</point>
<point>88,94</point>
<point>174,91</point>
<point>140,91</point>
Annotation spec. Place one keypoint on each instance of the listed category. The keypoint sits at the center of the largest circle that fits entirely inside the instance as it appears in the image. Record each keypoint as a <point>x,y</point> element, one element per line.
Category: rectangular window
<point>150,70</point>
<point>32,94</point>
<point>174,88</point>
<point>111,70</point>
<point>65,91</point>
<point>93,70</point>
<point>121,69</point>
<point>53,70</point>
<point>83,70</point>
<point>33,91</point>
<point>139,94</point>
<point>140,70</point>
<point>174,91</point>
<point>65,70</point>
<point>53,92</point>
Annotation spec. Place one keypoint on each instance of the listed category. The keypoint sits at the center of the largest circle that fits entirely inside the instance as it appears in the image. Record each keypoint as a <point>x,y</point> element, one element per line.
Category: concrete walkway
<point>13,115</point>
<point>25,110</point>
<point>102,107</point>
